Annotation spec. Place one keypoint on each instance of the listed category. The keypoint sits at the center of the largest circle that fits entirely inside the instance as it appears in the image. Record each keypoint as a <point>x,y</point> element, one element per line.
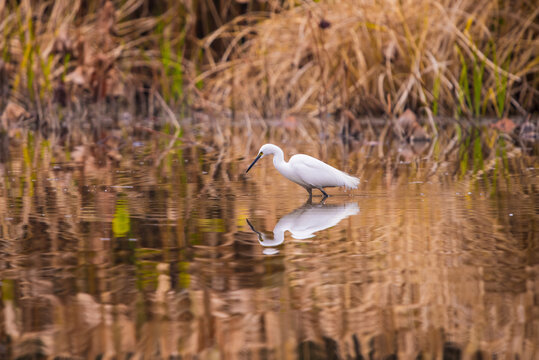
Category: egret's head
<point>266,149</point>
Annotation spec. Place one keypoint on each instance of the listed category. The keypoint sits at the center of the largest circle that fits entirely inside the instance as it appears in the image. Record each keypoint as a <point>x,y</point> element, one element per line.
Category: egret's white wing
<point>319,174</point>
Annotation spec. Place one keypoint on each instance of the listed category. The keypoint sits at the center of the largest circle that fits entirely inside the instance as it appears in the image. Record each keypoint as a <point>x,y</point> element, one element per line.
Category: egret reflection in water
<point>304,222</point>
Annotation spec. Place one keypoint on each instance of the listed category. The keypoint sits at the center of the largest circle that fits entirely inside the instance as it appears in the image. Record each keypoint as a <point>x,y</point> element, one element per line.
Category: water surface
<point>178,254</point>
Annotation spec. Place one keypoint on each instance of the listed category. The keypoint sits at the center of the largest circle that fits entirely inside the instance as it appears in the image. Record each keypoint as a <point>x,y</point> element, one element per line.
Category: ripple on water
<point>235,264</point>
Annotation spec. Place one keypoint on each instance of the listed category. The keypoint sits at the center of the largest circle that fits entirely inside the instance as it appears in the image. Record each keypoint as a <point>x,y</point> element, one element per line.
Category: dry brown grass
<point>274,57</point>
<point>75,52</point>
<point>447,57</point>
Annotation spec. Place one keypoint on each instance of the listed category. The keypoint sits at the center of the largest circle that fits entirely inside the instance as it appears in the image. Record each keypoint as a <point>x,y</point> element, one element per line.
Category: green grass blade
<point>478,71</point>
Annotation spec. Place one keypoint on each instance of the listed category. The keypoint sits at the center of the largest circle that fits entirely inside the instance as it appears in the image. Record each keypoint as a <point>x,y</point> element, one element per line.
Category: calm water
<point>180,255</point>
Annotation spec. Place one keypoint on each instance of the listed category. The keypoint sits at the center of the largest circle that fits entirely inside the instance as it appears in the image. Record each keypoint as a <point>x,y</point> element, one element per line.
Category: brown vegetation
<point>469,57</point>
<point>129,240</point>
<point>271,58</point>
<point>59,54</point>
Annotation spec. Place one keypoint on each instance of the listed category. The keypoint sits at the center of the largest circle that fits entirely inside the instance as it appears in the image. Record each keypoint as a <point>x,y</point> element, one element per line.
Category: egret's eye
<point>261,153</point>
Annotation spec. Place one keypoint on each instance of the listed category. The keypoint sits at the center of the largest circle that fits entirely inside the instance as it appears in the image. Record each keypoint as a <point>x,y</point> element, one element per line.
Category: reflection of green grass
<point>484,151</point>
<point>502,152</point>
<point>147,252</point>
<point>45,148</point>
<point>8,289</point>
<point>121,224</point>
<point>146,274</point>
<point>475,140</point>
<point>501,167</point>
<point>146,270</point>
<point>211,225</point>
<point>477,152</point>
<point>184,279</point>
<point>194,238</point>
<point>463,151</point>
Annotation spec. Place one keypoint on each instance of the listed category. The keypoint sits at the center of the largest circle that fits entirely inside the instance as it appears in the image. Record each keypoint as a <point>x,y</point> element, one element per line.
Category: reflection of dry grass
<point>411,267</point>
<point>410,273</point>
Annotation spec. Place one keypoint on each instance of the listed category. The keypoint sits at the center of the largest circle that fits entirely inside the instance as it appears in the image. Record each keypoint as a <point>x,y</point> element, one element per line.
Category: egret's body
<point>307,171</point>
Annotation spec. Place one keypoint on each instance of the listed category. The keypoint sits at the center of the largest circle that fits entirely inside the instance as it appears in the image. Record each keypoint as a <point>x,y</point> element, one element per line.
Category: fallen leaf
<point>409,128</point>
<point>79,154</point>
<point>77,76</point>
<point>290,122</point>
<point>504,125</point>
<point>13,113</point>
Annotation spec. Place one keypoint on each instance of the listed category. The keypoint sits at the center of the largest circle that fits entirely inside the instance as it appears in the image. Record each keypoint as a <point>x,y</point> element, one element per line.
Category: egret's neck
<point>278,158</point>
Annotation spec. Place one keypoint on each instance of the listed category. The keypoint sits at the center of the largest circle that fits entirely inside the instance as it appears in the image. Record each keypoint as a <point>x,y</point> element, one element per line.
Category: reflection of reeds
<point>184,276</point>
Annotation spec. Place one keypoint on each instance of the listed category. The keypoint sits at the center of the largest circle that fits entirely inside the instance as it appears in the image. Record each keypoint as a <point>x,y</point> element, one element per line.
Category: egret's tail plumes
<point>350,182</point>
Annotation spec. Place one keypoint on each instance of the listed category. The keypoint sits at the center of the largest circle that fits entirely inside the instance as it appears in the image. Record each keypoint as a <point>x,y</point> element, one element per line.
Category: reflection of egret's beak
<point>267,243</point>
<point>254,162</point>
<point>251,225</point>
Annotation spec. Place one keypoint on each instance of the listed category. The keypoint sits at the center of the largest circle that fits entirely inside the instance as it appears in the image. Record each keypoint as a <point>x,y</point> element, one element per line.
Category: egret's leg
<point>310,191</point>
<point>323,192</point>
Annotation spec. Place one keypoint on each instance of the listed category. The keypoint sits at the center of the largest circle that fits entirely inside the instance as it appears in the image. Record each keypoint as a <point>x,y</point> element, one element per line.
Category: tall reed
<point>358,54</point>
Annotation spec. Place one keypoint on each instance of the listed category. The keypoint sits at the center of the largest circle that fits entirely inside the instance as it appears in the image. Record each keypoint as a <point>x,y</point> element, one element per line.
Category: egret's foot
<point>325,194</point>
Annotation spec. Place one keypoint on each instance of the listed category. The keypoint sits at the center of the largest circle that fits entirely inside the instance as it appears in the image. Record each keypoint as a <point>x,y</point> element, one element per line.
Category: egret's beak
<point>254,162</point>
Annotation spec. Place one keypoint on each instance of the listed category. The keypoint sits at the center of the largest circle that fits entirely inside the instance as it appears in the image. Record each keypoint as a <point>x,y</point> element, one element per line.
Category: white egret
<point>305,222</point>
<point>307,171</point>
